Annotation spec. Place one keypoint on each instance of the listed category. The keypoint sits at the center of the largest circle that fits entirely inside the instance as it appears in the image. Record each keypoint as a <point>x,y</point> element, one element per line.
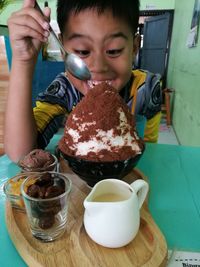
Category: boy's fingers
<point>30,23</point>
<point>29,3</point>
<point>31,12</point>
<point>47,12</point>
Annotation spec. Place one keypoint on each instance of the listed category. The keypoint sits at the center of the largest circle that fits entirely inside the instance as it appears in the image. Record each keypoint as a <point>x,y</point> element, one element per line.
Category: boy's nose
<point>98,63</point>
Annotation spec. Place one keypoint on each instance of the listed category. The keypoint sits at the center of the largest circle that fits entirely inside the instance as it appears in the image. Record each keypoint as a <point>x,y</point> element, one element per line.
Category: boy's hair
<point>128,10</point>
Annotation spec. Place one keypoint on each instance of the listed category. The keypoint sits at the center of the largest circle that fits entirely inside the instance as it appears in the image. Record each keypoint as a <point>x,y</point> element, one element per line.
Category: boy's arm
<point>27,30</point>
<point>149,100</point>
<point>152,128</point>
<point>20,130</point>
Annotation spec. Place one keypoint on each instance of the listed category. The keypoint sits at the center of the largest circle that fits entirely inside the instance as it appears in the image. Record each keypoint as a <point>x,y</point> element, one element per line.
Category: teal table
<point>174,177</point>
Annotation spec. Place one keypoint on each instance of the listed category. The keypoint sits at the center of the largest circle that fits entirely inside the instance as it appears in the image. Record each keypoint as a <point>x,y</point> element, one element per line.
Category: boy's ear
<point>61,39</point>
<point>136,43</point>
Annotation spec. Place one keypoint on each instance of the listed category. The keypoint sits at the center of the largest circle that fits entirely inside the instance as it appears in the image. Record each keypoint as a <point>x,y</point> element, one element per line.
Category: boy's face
<point>105,43</point>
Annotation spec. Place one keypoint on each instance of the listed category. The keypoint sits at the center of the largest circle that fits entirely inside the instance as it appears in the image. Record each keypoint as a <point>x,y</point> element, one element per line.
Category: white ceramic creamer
<point>112,211</point>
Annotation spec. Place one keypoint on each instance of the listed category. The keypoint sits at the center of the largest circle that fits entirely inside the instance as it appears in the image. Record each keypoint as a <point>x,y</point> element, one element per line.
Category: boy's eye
<point>82,53</point>
<point>114,52</point>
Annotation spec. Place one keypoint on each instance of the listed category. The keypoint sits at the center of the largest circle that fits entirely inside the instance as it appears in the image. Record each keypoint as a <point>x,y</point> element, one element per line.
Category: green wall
<point>157,4</point>
<point>183,71</point>
<point>16,5</point>
<point>184,77</point>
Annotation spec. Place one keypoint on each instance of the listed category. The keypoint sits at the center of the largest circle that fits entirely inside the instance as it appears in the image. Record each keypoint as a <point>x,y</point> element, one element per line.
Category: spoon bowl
<point>75,65</point>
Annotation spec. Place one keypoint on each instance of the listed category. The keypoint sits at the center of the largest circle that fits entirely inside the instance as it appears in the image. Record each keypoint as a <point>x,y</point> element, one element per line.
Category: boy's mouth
<point>92,83</point>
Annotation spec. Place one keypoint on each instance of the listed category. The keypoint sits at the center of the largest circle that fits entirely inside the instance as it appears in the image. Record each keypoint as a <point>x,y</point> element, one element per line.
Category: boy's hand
<point>27,30</point>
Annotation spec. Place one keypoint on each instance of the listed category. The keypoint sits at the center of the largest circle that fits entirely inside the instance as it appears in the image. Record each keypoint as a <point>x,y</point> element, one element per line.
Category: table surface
<point>174,202</point>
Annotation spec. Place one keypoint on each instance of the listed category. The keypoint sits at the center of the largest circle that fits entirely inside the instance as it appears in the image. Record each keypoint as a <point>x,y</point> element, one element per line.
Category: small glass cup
<point>12,190</point>
<point>47,216</point>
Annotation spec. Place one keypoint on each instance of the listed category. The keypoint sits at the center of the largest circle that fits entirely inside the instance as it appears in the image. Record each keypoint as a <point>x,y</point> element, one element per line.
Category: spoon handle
<point>52,31</point>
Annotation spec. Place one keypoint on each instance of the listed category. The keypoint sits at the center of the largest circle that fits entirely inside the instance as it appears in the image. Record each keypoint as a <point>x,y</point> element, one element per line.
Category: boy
<point>103,34</point>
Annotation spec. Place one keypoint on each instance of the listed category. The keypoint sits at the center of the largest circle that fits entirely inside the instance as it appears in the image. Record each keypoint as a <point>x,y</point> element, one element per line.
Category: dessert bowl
<point>93,171</point>
<point>101,142</point>
<point>38,160</point>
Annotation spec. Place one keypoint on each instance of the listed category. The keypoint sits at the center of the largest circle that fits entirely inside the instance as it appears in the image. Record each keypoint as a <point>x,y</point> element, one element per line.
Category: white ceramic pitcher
<point>112,211</point>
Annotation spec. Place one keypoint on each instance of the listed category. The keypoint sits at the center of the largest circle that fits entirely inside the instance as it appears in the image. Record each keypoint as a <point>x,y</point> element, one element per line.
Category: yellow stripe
<point>44,112</point>
<point>152,129</point>
<point>139,79</point>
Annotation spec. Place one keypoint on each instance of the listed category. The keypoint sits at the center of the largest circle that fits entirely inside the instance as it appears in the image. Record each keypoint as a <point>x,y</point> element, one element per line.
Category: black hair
<point>128,10</point>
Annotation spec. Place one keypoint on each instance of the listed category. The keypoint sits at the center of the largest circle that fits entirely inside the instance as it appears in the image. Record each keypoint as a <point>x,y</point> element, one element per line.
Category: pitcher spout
<point>91,208</point>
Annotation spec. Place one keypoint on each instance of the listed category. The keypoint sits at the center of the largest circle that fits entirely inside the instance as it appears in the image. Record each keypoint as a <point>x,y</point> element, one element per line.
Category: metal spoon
<point>73,63</point>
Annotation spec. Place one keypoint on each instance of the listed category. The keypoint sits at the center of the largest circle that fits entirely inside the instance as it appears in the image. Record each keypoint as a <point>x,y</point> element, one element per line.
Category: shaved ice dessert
<point>101,128</point>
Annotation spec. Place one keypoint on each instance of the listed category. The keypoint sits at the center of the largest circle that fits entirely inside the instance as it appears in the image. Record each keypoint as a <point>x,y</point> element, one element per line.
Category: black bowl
<point>93,172</point>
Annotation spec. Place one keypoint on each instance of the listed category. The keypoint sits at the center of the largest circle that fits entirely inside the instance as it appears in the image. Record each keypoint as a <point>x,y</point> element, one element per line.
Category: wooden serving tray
<point>75,248</point>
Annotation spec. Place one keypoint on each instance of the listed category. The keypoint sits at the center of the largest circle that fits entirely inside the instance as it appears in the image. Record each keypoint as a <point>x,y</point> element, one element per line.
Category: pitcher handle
<point>141,189</point>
